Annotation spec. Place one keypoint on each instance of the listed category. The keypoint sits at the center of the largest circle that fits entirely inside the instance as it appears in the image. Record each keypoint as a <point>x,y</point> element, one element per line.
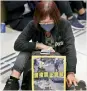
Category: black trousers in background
<point>76,5</point>
<point>64,7</point>
<point>20,23</point>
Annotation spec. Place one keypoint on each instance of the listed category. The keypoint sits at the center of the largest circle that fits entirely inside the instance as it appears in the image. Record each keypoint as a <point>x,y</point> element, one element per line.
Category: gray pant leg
<point>21,61</point>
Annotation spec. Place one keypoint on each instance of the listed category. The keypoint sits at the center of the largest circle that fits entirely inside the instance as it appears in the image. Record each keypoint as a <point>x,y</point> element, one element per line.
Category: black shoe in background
<point>11,84</point>
<point>81,86</point>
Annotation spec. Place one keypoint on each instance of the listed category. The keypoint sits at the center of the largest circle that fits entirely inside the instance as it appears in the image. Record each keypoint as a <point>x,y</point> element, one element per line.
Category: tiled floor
<point>81,47</point>
<point>7,41</point>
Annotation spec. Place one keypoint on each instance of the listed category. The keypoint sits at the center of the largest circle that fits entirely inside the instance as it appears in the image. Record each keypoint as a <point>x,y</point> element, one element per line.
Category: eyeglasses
<point>46,23</point>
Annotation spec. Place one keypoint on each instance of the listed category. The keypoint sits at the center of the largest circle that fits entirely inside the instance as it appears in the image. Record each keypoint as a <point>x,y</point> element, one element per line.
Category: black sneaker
<point>75,24</point>
<point>81,86</point>
<point>11,84</point>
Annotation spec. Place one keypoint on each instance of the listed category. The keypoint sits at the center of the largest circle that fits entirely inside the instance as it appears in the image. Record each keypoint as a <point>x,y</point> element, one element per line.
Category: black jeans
<point>65,7</point>
<point>22,60</point>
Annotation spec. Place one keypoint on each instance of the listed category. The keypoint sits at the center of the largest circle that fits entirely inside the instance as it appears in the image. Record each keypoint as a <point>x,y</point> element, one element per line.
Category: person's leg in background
<point>19,13</point>
<point>21,23</point>
<point>84,3</point>
<point>24,21</point>
<point>28,16</point>
<point>65,7</point>
<point>18,68</point>
<point>80,9</point>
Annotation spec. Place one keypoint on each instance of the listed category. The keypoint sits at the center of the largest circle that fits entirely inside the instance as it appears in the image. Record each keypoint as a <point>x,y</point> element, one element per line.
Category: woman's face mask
<point>47,27</point>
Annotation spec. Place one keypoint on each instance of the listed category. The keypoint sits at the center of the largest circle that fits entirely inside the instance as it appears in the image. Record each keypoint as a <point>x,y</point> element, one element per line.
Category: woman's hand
<point>51,49</point>
<point>71,79</point>
<point>44,47</point>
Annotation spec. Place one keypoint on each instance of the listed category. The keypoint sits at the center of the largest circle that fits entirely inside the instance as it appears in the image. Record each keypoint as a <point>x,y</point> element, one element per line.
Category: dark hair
<point>45,8</point>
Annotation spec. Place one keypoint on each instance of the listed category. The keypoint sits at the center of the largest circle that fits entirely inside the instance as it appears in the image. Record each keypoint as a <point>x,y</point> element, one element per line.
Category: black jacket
<point>62,34</point>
